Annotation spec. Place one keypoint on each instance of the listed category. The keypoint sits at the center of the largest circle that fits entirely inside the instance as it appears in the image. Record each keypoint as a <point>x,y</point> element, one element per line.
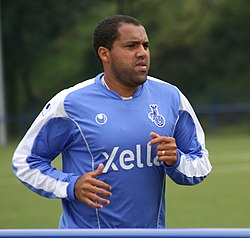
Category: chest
<point>108,123</point>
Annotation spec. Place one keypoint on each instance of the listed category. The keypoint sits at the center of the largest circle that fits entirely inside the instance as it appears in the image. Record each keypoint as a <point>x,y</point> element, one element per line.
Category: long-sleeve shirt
<point>89,124</point>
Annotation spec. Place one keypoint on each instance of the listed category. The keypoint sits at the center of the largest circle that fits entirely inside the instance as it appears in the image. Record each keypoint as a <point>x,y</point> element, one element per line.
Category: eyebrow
<point>137,41</point>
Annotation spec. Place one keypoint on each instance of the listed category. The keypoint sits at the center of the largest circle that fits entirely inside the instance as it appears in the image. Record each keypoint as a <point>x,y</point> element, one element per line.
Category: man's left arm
<point>184,154</point>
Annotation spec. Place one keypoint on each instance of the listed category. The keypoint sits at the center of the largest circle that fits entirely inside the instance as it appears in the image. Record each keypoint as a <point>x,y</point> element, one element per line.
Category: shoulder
<point>57,104</point>
<point>173,90</point>
<point>80,86</point>
<point>162,86</point>
<point>161,83</point>
<point>75,89</point>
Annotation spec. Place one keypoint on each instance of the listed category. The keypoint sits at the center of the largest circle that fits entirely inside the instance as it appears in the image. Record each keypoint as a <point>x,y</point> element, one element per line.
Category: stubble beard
<point>130,78</point>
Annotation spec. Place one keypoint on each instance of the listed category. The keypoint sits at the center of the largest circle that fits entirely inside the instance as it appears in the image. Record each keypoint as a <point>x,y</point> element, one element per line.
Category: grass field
<point>222,200</point>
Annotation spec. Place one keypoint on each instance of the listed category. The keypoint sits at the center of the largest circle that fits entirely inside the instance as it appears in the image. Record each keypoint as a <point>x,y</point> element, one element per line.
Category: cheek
<point>122,61</point>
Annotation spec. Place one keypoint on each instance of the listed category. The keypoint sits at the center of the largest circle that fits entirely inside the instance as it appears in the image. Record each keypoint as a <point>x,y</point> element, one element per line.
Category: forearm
<point>35,153</point>
<point>42,178</point>
<point>189,169</point>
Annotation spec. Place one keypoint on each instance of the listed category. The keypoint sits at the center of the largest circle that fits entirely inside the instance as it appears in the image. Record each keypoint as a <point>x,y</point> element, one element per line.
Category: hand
<point>166,148</point>
<point>88,189</point>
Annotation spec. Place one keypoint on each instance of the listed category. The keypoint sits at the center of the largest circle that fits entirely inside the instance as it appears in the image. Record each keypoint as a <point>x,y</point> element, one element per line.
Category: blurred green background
<point>201,46</point>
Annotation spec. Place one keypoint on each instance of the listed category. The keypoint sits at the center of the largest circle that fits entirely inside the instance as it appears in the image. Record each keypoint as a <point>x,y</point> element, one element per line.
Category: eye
<point>131,45</point>
<point>146,45</point>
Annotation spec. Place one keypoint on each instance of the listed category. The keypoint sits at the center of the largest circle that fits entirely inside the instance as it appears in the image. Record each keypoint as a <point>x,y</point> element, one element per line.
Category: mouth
<point>142,66</point>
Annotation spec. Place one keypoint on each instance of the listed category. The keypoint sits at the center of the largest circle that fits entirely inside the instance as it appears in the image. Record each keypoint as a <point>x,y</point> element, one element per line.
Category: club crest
<point>155,116</point>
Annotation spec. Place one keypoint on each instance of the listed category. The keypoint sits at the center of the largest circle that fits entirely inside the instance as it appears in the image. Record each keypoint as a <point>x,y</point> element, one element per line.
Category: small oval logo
<point>101,118</point>
<point>46,109</point>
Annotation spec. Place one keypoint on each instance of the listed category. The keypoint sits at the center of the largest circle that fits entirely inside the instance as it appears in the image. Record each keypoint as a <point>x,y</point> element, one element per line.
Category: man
<point>119,133</point>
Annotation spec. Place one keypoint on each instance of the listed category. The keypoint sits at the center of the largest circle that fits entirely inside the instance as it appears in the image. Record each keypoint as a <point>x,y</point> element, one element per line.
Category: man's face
<point>129,56</point>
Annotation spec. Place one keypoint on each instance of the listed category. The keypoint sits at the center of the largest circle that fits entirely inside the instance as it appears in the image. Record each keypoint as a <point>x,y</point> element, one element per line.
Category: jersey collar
<point>104,89</point>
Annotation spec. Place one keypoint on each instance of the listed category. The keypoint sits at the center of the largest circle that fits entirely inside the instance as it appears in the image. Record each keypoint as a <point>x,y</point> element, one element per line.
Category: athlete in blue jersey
<point>119,134</point>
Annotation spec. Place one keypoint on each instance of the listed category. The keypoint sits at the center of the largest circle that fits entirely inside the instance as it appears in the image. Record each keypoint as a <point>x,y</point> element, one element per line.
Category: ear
<point>103,53</point>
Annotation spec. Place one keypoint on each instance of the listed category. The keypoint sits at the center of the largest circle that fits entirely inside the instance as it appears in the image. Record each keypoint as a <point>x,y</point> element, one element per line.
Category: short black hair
<point>106,32</point>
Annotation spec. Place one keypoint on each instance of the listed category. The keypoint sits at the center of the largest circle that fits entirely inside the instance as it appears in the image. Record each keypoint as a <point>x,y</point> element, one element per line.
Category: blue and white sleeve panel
<point>34,170</point>
<point>193,165</point>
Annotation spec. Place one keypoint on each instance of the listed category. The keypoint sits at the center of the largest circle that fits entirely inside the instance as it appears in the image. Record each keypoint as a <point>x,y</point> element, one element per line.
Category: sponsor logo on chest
<point>127,159</point>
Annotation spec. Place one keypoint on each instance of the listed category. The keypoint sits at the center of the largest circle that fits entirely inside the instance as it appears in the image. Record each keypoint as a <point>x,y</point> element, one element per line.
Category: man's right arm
<point>32,159</point>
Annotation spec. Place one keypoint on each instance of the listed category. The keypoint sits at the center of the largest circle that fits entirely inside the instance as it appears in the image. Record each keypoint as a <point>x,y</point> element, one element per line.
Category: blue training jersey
<point>90,124</point>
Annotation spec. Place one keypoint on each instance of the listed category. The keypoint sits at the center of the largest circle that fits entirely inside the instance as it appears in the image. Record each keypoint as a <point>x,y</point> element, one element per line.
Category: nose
<point>142,51</point>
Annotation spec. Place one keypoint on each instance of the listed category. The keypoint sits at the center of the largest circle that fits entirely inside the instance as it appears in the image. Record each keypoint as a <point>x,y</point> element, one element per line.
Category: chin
<point>143,77</point>
<point>140,80</point>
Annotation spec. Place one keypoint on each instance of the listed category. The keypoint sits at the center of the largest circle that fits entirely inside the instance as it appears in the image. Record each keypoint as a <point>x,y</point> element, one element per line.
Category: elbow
<point>189,181</point>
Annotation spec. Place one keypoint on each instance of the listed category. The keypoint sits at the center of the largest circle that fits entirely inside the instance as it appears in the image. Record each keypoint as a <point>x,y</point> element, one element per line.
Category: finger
<point>167,145</point>
<point>98,171</point>
<point>162,154</point>
<point>162,141</point>
<point>154,135</point>
<point>91,192</point>
<point>159,139</point>
<point>92,204</point>
<point>98,199</point>
<point>98,183</point>
<point>87,184</point>
<point>97,190</point>
<point>169,156</point>
<point>169,160</point>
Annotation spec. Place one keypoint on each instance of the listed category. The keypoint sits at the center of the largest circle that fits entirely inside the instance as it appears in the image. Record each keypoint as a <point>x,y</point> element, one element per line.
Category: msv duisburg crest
<point>155,116</point>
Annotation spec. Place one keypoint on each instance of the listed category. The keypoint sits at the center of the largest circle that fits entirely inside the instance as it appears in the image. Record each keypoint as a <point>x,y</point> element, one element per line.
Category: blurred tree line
<point>201,46</point>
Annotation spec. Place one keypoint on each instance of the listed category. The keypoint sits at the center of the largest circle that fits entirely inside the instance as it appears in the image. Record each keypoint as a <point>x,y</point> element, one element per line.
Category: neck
<point>124,91</point>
